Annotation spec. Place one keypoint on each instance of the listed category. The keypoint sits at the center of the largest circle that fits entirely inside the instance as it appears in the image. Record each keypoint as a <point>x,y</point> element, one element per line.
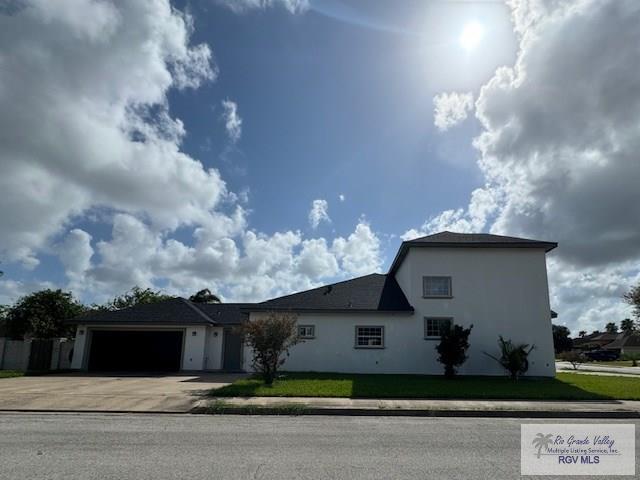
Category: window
<point>306,331</point>
<point>436,287</point>
<point>433,327</point>
<point>369,337</point>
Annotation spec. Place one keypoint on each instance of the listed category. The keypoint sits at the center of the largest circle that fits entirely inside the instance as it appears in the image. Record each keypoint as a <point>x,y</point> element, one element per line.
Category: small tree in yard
<point>574,358</point>
<point>513,358</point>
<point>270,338</point>
<point>452,348</point>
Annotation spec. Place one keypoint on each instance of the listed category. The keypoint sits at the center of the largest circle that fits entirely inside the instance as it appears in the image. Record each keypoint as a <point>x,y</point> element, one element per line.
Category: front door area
<point>232,351</point>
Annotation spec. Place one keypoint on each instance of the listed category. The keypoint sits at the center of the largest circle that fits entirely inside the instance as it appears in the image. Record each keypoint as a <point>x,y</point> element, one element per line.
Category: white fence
<point>15,354</point>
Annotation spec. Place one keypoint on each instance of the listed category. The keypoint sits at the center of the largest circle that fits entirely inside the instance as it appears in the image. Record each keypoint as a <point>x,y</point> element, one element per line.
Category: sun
<point>471,36</point>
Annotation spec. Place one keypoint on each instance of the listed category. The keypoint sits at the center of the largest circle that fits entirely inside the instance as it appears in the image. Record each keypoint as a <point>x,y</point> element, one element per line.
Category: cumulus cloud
<point>341,197</point>
<point>252,267</point>
<point>243,6</point>
<point>232,121</point>
<point>319,213</point>
<point>559,149</point>
<point>451,109</point>
<point>85,127</point>
<point>85,121</point>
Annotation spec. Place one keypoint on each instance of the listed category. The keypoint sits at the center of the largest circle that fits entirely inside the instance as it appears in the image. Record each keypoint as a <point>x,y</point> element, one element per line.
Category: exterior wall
<point>333,348</point>
<point>213,348</point>
<point>193,349</point>
<point>499,291</point>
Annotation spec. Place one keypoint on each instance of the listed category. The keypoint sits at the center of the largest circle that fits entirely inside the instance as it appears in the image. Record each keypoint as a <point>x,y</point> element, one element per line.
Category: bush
<point>575,358</point>
<point>270,337</point>
<point>513,358</point>
<point>452,348</point>
<point>634,357</point>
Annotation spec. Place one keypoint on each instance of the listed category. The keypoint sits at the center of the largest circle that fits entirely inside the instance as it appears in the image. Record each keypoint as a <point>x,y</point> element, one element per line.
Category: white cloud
<point>451,109</point>
<point>359,253</point>
<point>249,268</point>
<point>89,84</point>
<point>559,150</point>
<point>319,213</point>
<point>75,253</point>
<point>243,6</point>
<point>232,121</point>
<point>341,197</point>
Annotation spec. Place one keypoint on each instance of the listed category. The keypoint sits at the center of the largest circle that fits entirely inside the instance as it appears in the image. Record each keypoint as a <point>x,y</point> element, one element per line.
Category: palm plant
<point>542,441</point>
<point>513,358</point>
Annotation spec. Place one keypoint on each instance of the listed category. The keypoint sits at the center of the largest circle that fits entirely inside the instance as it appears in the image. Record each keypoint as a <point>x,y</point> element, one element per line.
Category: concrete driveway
<point>109,393</point>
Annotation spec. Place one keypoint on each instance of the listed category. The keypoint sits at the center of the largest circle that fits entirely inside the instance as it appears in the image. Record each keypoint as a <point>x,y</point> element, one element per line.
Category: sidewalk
<point>599,369</point>
<point>427,408</point>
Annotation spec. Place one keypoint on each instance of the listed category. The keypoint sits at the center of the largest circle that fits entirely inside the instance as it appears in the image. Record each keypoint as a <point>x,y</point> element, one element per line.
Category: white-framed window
<point>434,326</point>
<point>436,287</point>
<point>306,331</point>
<point>369,336</point>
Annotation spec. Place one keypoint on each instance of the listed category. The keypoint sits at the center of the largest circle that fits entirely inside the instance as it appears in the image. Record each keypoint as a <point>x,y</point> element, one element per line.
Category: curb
<point>354,412</point>
<point>368,412</point>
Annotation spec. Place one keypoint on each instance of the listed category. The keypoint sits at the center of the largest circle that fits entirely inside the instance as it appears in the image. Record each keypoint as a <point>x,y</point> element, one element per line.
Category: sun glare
<point>471,35</point>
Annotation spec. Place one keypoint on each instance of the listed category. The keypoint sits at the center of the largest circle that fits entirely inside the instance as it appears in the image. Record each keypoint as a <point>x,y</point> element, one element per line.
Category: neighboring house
<point>379,323</point>
<point>596,340</point>
<point>625,343</point>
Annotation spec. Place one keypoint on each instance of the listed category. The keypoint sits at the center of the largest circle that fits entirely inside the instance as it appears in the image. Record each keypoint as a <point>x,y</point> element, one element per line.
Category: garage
<point>135,350</point>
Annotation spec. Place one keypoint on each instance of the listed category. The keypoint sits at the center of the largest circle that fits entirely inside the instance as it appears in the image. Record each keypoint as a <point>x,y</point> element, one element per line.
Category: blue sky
<point>192,144</point>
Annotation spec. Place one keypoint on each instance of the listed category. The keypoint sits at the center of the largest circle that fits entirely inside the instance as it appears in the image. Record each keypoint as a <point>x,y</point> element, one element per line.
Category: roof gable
<point>448,239</point>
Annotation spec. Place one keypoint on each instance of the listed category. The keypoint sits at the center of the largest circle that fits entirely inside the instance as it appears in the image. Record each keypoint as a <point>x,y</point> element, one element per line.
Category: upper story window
<point>433,327</point>
<point>369,337</point>
<point>436,287</point>
<point>306,331</point>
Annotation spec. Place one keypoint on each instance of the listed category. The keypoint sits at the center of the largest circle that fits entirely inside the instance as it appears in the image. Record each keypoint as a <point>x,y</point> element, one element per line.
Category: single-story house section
<point>378,323</point>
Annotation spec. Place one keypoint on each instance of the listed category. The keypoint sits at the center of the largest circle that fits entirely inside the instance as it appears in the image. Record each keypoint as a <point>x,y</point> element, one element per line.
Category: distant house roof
<point>467,240</point>
<point>601,338</point>
<point>624,340</point>
<point>372,293</point>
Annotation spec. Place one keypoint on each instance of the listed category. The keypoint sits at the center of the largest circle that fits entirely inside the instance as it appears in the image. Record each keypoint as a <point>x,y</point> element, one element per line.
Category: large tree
<point>561,338</point>
<point>632,297</point>
<point>136,296</point>
<point>611,327</point>
<point>42,315</point>
<point>628,326</point>
<point>204,296</point>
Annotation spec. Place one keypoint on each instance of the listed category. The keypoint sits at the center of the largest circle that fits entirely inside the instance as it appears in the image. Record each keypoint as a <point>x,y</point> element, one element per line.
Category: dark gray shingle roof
<point>225,313</point>
<point>169,312</point>
<point>375,292</point>
<point>175,311</point>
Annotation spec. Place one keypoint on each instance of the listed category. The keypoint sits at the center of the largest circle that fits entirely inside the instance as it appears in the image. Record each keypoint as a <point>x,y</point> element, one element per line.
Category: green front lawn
<point>10,374</point>
<point>566,386</point>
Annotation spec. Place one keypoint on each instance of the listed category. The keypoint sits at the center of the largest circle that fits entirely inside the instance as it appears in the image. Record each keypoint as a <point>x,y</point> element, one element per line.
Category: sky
<point>262,147</point>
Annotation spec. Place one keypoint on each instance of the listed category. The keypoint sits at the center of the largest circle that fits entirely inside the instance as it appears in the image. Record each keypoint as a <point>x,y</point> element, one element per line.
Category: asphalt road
<point>90,446</point>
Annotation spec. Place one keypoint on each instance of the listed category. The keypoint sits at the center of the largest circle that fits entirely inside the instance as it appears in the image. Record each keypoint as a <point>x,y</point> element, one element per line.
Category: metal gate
<point>40,356</point>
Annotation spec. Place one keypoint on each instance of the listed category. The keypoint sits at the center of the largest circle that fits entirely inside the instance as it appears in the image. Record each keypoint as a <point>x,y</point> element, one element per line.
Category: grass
<point>566,386</point>
<point>10,373</point>
<point>219,407</point>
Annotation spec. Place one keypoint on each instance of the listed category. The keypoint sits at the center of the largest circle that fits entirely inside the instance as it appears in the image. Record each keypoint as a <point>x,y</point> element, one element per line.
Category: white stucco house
<point>378,323</point>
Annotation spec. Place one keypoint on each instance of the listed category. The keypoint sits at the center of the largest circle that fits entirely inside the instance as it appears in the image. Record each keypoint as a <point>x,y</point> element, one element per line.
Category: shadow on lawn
<point>411,387</point>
